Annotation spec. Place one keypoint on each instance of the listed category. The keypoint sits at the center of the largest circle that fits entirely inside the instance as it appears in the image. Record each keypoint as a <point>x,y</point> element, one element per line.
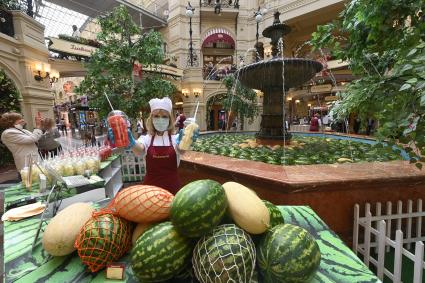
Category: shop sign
<point>65,46</point>
<point>321,88</point>
<point>331,98</point>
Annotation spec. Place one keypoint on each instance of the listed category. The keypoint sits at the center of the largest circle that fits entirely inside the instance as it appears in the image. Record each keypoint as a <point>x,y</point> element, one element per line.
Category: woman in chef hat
<point>160,146</point>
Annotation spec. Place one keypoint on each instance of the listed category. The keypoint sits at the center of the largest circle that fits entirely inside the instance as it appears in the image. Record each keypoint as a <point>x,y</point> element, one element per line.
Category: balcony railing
<point>221,3</point>
<point>213,74</point>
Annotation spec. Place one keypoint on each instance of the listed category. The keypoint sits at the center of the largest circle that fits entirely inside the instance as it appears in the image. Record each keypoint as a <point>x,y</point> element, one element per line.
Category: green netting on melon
<point>227,254</point>
<point>103,239</point>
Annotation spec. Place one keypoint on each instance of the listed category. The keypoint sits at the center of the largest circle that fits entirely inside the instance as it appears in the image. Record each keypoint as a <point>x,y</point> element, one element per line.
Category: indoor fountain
<point>274,78</point>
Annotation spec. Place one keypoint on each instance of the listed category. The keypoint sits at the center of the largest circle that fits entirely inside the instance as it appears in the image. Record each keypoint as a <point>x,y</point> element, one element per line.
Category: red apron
<point>161,167</point>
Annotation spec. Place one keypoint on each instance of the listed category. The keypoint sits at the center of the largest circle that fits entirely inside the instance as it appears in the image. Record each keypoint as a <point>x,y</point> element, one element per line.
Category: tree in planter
<point>110,69</point>
<point>240,100</point>
<point>384,43</point>
<point>9,101</point>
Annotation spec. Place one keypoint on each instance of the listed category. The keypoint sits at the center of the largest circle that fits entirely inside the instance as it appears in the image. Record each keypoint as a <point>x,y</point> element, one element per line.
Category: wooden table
<point>338,264</point>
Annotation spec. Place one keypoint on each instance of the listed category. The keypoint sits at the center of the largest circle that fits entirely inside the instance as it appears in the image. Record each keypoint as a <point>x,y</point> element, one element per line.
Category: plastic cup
<point>118,122</point>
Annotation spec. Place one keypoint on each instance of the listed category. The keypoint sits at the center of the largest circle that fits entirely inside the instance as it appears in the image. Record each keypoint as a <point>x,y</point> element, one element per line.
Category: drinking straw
<point>107,98</point>
<point>196,111</point>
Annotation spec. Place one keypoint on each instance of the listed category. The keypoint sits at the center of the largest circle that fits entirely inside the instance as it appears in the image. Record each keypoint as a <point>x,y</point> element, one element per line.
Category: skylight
<point>57,19</point>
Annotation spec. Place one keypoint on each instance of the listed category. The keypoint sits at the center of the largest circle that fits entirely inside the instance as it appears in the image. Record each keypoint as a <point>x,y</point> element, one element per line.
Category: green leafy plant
<point>110,69</point>
<point>10,4</point>
<point>9,101</point>
<point>240,100</point>
<point>80,40</point>
<point>383,41</point>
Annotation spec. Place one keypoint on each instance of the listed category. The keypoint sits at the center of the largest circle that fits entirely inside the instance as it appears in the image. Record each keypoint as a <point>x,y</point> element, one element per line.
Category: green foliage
<point>9,101</point>
<point>240,99</point>
<point>10,4</point>
<point>80,40</point>
<point>110,69</point>
<point>384,43</point>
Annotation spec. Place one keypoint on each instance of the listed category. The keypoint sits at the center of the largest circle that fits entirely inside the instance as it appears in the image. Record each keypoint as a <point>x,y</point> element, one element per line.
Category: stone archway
<point>216,117</point>
<point>10,100</point>
<point>14,77</point>
<point>10,97</point>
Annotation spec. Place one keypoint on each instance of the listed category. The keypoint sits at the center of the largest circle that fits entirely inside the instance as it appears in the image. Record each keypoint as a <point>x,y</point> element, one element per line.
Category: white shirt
<point>76,33</point>
<point>326,120</point>
<point>21,143</point>
<point>159,141</point>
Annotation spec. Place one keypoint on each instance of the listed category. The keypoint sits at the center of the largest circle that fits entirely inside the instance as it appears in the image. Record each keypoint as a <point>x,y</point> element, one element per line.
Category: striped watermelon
<point>276,217</point>
<point>103,239</point>
<point>198,207</point>
<point>288,253</point>
<point>160,253</point>
<point>227,254</point>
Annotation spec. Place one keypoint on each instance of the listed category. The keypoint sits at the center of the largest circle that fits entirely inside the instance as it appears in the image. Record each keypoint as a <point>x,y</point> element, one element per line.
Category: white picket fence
<point>381,235</point>
<point>133,167</point>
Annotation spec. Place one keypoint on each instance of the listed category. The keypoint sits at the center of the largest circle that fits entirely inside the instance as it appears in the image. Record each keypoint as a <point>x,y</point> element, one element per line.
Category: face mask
<point>161,124</point>
<point>19,126</point>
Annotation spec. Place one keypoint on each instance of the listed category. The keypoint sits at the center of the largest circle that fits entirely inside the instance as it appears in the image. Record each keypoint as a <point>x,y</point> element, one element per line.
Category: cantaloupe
<point>138,231</point>
<point>62,230</point>
<point>246,208</point>
<point>143,204</point>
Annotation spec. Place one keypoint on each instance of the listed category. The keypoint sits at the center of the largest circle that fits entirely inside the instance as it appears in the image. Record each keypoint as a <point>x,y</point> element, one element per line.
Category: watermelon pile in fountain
<point>207,232</point>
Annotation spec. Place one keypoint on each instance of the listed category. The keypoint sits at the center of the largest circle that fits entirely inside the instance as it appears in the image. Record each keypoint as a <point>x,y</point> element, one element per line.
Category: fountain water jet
<point>267,77</point>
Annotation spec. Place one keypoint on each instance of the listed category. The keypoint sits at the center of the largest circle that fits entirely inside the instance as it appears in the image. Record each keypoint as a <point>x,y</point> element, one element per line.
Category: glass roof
<point>57,19</point>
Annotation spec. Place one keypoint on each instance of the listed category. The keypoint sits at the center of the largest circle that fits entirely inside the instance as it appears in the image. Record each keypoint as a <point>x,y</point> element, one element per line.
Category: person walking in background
<point>314,123</point>
<point>139,128</point>
<point>75,31</point>
<point>356,126</point>
<point>19,141</point>
<point>63,126</point>
<point>47,144</point>
<point>370,124</point>
<point>180,121</point>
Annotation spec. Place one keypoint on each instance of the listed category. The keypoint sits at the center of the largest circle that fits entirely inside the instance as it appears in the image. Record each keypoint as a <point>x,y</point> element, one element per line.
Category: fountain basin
<point>268,74</point>
<point>331,190</point>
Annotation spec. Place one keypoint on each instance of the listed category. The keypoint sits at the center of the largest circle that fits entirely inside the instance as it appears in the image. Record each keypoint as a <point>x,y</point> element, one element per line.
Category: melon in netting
<point>103,239</point>
<point>143,204</point>
<point>59,236</point>
<point>227,254</point>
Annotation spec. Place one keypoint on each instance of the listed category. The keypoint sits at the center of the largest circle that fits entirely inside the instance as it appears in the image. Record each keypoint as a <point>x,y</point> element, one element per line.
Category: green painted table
<point>338,264</point>
<point>18,195</point>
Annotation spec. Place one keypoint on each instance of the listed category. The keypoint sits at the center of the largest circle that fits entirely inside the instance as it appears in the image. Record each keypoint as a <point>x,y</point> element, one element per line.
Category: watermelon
<point>160,253</point>
<point>227,254</point>
<point>288,253</point>
<point>198,207</point>
<point>103,239</point>
<point>276,217</point>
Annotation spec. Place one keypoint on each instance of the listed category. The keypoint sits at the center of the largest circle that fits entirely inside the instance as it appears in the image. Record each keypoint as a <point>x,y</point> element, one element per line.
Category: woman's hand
<point>38,121</point>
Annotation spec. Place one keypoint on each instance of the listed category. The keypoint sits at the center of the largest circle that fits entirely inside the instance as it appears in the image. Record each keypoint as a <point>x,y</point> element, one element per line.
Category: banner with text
<point>69,47</point>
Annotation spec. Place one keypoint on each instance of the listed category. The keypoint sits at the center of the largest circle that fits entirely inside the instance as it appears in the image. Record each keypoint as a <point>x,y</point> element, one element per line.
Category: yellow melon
<point>247,210</point>
<point>62,230</point>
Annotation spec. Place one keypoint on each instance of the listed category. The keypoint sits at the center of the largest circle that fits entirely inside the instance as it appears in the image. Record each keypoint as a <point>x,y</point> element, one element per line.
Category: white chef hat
<point>163,103</point>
